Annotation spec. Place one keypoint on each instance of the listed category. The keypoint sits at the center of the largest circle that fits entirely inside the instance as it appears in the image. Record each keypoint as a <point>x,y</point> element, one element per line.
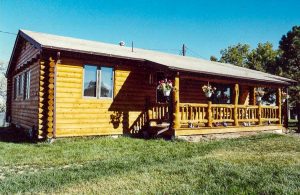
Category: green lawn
<point>263,164</point>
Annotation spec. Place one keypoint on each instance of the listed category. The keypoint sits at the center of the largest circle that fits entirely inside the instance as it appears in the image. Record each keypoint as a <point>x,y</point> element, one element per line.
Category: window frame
<point>27,85</point>
<point>98,82</point>
<point>16,87</point>
<point>218,85</point>
<point>21,85</point>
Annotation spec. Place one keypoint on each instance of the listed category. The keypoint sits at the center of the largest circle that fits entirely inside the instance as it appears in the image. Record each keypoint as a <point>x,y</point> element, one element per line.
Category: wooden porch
<point>215,118</point>
<point>197,118</point>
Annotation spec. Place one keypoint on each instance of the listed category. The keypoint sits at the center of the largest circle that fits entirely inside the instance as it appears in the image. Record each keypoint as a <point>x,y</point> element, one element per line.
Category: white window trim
<point>16,85</point>
<point>21,84</point>
<point>27,87</point>
<point>98,83</point>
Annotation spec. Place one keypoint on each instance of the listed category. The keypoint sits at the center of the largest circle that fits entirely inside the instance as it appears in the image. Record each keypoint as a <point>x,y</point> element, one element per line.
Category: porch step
<point>156,128</point>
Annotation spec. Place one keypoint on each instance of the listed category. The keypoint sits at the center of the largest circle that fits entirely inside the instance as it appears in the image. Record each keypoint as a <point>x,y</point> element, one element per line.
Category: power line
<point>194,52</point>
<point>5,32</point>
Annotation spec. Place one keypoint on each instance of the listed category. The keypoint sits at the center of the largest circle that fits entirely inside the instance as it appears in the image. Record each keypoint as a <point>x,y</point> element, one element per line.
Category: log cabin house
<point>61,86</point>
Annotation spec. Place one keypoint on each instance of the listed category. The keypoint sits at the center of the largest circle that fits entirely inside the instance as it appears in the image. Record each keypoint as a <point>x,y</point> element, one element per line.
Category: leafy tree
<point>236,54</point>
<point>289,60</point>
<point>283,62</point>
<point>263,58</point>
<point>2,87</point>
<point>213,58</point>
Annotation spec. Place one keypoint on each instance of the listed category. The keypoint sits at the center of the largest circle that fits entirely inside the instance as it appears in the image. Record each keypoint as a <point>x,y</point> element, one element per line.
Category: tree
<point>2,87</point>
<point>236,54</point>
<point>263,58</point>
<point>213,58</point>
<point>283,62</point>
<point>289,60</point>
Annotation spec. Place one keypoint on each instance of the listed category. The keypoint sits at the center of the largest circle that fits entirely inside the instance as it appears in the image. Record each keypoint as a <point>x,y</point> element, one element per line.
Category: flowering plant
<point>165,85</point>
<point>260,93</point>
<point>208,88</point>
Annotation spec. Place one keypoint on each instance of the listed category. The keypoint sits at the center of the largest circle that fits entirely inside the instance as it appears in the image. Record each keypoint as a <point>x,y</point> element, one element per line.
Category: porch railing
<point>248,113</point>
<point>213,114</point>
<point>158,111</point>
<point>269,113</point>
<point>194,113</point>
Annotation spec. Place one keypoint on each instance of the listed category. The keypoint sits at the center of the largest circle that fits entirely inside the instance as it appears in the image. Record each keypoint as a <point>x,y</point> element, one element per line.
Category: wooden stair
<point>157,128</point>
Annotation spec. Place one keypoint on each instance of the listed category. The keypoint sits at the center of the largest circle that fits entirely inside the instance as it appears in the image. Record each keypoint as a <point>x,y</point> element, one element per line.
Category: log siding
<point>23,111</point>
<point>78,115</point>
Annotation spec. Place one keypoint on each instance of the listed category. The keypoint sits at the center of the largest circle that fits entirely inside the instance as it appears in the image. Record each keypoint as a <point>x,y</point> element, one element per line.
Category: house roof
<point>176,62</point>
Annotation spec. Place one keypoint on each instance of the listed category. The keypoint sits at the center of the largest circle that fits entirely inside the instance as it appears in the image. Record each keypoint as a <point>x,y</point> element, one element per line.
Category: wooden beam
<point>50,97</point>
<point>285,111</point>
<point>260,114</point>
<point>209,115</point>
<point>278,103</point>
<point>236,103</point>
<point>176,102</point>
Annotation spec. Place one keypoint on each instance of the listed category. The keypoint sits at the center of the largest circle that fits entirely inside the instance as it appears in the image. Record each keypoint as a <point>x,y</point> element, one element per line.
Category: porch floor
<point>221,129</point>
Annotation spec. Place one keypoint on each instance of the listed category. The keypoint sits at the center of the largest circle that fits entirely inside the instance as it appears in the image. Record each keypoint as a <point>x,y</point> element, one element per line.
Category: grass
<point>263,164</point>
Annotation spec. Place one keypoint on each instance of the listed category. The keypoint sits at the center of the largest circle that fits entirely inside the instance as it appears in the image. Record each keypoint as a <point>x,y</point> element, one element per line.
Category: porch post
<point>176,114</point>
<point>278,103</point>
<point>285,111</point>
<point>236,103</point>
<point>260,122</point>
<point>209,115</point>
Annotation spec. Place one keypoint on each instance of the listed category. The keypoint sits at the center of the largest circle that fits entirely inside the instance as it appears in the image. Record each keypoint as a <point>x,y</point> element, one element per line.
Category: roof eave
<point>91,53</point>
<point>27,38</point>
<point>230,76</point>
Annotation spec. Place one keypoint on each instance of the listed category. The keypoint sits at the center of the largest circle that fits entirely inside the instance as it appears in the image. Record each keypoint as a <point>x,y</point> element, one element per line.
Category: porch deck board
<point>215,130</point>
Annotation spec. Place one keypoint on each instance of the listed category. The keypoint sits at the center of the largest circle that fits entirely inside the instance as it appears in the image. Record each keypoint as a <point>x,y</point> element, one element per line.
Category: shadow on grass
<point>13,135</point>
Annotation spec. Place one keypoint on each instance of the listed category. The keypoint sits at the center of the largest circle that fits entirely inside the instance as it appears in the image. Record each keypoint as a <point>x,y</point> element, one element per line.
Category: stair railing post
<point>176,101</point>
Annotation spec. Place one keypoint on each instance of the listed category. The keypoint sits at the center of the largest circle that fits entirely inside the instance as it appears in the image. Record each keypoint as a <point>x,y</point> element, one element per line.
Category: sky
<point>205,27</point>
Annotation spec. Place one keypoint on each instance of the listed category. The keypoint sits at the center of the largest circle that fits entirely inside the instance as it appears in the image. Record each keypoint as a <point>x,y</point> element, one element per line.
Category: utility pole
<point>183,50</point>
<point>131,46</point>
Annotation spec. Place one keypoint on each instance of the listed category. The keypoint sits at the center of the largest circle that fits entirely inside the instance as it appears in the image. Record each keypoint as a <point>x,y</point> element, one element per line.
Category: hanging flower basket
<point>208,90</point>
<point>258,98</point>
<point>208,94</point>
<point>259,94</point>
<point>167,92</point>
<point>165,86</point>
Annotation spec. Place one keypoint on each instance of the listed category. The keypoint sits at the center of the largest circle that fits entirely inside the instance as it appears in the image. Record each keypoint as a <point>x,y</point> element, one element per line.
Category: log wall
<point>244,95</point>
<point>27,53</point>
<point>25,112</point>
<point>191,91</point>
<point>76,115</point>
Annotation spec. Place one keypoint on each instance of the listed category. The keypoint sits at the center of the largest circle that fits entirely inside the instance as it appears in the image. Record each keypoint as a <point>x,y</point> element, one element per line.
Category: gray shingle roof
<point>172,61</point>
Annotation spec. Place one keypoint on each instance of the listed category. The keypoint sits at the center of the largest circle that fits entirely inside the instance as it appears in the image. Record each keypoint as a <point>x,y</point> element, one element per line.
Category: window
<point>21,84</point>
<point>27,85</point>
<point>98,82</point>
<point>16,87</point>
<point>90,81</point>
<point>222,95</point>
<point>106,76</point>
